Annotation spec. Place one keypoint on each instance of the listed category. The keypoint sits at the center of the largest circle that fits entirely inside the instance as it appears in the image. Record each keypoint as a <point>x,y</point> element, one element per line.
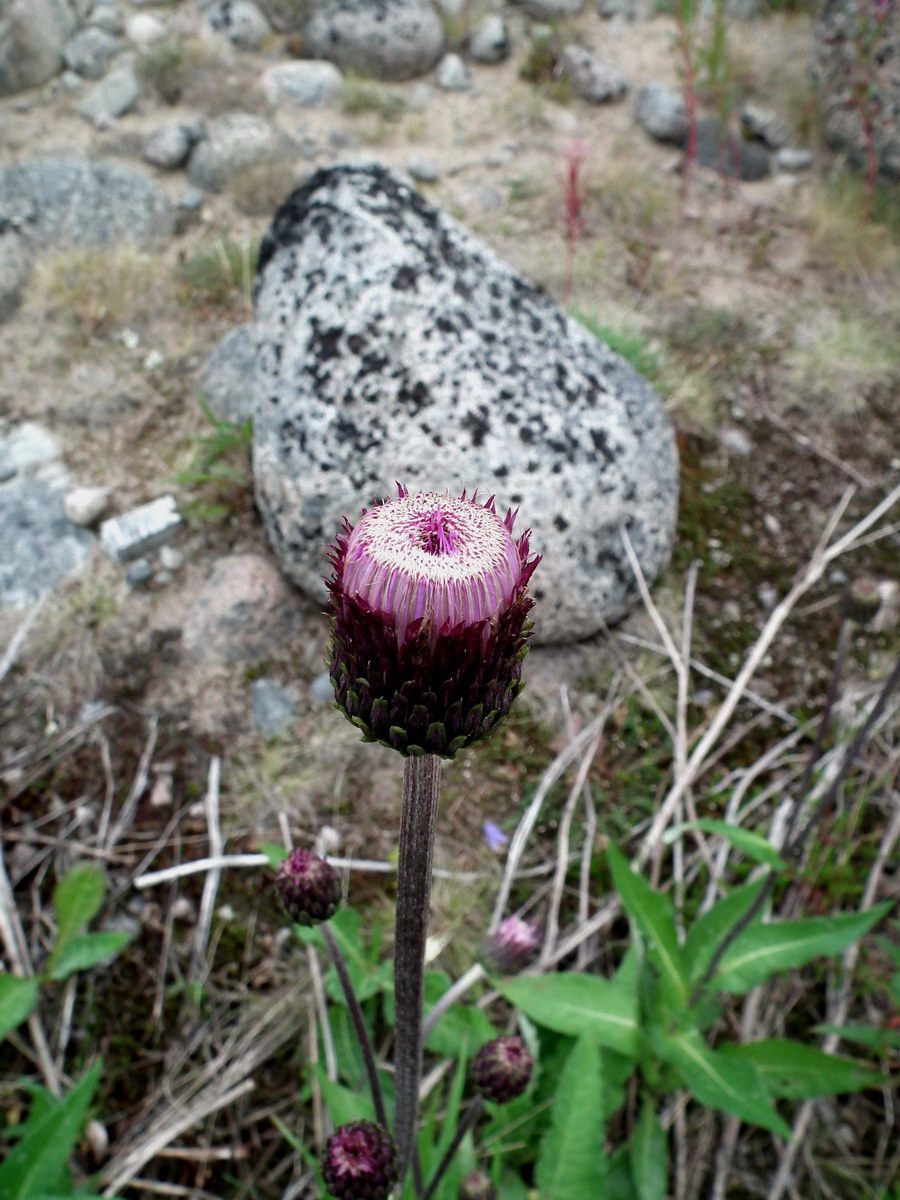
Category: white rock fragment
<point>85,505</point>
<point>143,29</point>
<point>141,529</point>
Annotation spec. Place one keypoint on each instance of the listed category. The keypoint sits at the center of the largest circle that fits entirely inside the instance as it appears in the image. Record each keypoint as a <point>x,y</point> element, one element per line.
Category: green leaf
<point>578,1004</point>
<point>864,1035</point>
<point>799,1072</point>
<point>706,933</point>
<point>721,1081</point>
<point>33,1166</point>
<point>17,998</point>
<point>648,1154</point>
<point>761,950</point>
<point>87,950</point>
<point>344,1104</point>
<point>652,913</point>
<point>754,845</point>
<point>77,898</point>
<point>570,1160</point>
<point>274,853</point>
<point>619,1183</point>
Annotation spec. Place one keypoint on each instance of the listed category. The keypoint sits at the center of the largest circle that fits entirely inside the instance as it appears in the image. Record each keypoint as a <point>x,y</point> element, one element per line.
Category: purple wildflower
<point>310,887</point>
<point>494,836</point>
<point>501,1069</point>
<point>360,1162</point>
<point>511,947</point>
<point>429,608</point>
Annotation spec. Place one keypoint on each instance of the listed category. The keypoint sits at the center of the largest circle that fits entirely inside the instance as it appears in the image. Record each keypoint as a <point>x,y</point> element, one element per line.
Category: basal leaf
<point>754,845</point>
<point>707,932</point>
<point>17,998</point>
<point>762,950</point>
<point>721,1081</point>
<point>798,1072</point>
<point>578,1004</point>
<point>652,913</point>
<point>85,951</point>
<point>33,1166</point>
<point>570,1161</point>
<point>77,898</point>
<point>648,1154</point>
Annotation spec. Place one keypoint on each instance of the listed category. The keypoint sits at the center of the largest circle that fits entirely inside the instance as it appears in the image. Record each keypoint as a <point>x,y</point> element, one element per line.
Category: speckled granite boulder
<point>837,65</point>
<point>390,39</point>
<point>32,36</point>
<point>392,345</point>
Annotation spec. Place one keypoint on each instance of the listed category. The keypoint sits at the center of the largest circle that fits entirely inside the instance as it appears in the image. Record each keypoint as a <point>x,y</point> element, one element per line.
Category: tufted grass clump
<point>841,241</point>
<point>218,476</point>
<point>361,95</point>
<point>219,276</point>
<point>844,361</point>
<point>259,189</point>
<point>169,66</point>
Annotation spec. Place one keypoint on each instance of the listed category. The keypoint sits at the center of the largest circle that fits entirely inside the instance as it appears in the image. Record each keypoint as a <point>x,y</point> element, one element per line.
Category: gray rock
<point>78,201</point>
<point>107,17</point>
<point>766,126</point>
<point>171,558</point>
<point>309,83</point>
<point>169,145</point>
<point>394,345</point>
<point>389,39</point>
<point>225,381</point>
<point>32,36</point>
<point>71,81</point>
<point>89,51</point>
<point>321,689</point>
<point>39,546</point>
<point>240,21</point>
<point>139,572</point>
<point>452,74</point>
<point>551,10</point>
<point>15,269</point>
<point>659,110</point>
<point>592,80</point>
<point>112,97</point>
<point>489,42</point>
<point>793,158</point>
<point>191,200</point>
<point>836,65</point>
<point>233,143</point>
<point>244,613</point>
<point>730,155</point>
<point>141,529</point>
<point>423,170</point>
<point>630,10</point>
<point>274,708</point>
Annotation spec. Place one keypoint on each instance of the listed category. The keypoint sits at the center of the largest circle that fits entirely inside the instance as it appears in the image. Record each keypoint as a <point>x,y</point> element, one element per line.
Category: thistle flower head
<point>501,1069</point>
<point>861,600</point>
<point>511,946</point>
<point>429,611</point>
<point>476,1186</point>
<point>360,1162</point>
<point>310,888</point>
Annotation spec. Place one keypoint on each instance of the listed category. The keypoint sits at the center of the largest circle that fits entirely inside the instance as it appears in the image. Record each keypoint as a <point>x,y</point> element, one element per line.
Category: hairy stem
<point>359,1025</point>
<point>421,787</point>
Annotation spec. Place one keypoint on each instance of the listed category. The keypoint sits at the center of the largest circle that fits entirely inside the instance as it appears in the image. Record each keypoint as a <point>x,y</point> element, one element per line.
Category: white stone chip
<point>141,529</point>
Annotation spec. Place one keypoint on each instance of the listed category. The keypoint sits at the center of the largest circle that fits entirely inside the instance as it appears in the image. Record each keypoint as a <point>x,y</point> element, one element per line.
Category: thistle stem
<point>359,1024</point>
<point>418,818</point>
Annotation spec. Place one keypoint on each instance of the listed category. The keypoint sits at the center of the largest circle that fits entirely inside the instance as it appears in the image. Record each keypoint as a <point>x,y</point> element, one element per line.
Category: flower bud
<point>310,887</point>
<point>428,620</point>
<point>476,1186</point>
<point>860,600</point>
<point>360,1162</point>
<point>511,947</point>
<point>501,1069</point>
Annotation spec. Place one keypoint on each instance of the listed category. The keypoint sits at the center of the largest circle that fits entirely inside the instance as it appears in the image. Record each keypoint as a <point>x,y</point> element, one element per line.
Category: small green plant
<point>220,275</point>
<point>258,190</point>
<point>361,95</point>
<point>219,474</point>
<point>629,342</point>
<point>166,67</point>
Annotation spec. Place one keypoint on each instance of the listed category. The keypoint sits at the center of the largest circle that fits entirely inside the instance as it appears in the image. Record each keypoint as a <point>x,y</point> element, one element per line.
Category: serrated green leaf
<point>799,1072</point>
<point>571,1162</point>
<point>77,899</point>
<point>706,933</point>
<point>578,1004</point>
<point>652,913</point>
<point>762,950</point>
<point>86,951</point>
<point>344,1104</point>
<point>754,845</point>
<point>17,998</point>
<point>33,1166</point>
<point>648,1154</point>
<point>722,1082</point>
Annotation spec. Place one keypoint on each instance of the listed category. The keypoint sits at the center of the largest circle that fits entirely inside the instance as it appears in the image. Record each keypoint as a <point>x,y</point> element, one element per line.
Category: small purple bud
<point>501,1069</point>
<point>310,887</point>
<point>429,621</point>
<point>494,836</point>
<point>476,1186</point>
<point>360,1162</point>
<point>511,947</point>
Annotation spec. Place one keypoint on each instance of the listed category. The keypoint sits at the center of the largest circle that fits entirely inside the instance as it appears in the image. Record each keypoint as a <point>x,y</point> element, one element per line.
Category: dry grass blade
<point>17,641</point>
<point>214,875</point>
